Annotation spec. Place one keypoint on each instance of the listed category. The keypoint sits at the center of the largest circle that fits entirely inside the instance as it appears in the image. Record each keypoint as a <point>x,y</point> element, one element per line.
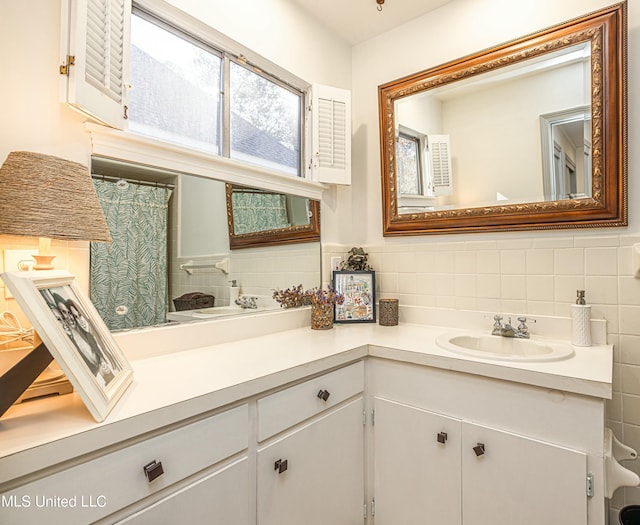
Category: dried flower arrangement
<point>295,296</point>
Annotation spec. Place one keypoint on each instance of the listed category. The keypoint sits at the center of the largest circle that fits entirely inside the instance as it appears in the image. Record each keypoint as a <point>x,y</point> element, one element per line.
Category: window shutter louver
<point>440,164</point>
<point>331,132</point>
<point>98,38</point>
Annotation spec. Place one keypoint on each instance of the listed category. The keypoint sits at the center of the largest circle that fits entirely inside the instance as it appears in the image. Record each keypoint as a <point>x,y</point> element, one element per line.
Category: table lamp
<point>50,198</point>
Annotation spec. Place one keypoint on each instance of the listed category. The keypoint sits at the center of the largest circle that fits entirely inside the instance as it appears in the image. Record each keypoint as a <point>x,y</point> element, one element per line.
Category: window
<point>175,87</point>
<point>170,77</point>
<point>178,95</point>
<point>265,122</point>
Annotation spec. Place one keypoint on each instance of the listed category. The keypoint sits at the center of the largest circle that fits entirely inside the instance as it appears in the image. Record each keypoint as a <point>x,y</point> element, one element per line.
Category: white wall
<point>455,30</point>
<point>32,118</point>
<point>533,273</point>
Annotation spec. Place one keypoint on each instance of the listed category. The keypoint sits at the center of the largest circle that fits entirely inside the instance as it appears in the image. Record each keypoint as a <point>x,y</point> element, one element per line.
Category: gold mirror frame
<point>277,236</point>
<point>606,29</point>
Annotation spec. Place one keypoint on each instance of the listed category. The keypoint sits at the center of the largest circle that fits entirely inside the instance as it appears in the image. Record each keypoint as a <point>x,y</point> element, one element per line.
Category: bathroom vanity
<point>358,424</point>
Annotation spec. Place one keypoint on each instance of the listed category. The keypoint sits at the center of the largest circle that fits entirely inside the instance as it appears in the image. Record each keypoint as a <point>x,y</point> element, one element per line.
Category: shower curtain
<point>255,211</point>
<point>129,276</point>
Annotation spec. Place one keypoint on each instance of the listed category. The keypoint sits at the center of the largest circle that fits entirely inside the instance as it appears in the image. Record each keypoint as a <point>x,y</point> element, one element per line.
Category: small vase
<point>321,316</point>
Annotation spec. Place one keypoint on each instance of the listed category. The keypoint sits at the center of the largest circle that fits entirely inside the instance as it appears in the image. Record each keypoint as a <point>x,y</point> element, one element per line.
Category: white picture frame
<point>74,333</point>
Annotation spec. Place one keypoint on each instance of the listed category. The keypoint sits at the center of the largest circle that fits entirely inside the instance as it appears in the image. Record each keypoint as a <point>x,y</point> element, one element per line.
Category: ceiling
<point>358,20</point>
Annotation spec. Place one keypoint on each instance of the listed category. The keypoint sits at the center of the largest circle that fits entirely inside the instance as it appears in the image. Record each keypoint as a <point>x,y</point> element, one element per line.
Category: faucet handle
<point>497,326</point>
<point>523,321</point>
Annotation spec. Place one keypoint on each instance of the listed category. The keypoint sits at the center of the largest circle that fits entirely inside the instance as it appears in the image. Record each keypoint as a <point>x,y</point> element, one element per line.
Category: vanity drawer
<point>99,487</point>
<point>283,409</point>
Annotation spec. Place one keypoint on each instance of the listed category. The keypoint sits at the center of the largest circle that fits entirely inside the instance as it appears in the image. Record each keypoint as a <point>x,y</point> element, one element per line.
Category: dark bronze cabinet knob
<point>324,395</point>
<point>479,449</point>
<point>281,466</point>
<point>442,437</point>
<point>153,470</point>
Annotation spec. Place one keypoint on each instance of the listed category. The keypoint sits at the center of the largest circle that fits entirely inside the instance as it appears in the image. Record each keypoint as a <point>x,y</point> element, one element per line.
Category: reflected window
<point>408,164</point>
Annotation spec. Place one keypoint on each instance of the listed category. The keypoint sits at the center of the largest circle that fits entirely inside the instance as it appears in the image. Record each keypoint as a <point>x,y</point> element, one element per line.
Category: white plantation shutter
<point>331,134</point>
<point>440,164</point>
<point>97,34</point>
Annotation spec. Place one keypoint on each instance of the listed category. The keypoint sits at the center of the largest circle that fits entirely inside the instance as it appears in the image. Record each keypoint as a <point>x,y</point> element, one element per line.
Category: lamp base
<point>43,262</point>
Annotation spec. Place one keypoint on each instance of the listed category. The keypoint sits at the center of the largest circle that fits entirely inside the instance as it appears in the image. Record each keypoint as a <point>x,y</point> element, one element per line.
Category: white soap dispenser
<point>581,321</point>
<point>234,293</point>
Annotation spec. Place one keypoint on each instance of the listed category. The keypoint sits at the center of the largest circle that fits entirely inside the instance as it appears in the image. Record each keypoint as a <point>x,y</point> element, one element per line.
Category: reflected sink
<point>204,313</point>
<point>487,346</point>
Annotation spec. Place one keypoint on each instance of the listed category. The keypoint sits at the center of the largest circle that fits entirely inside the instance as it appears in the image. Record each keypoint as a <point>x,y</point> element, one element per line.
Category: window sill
<point>130,147</point>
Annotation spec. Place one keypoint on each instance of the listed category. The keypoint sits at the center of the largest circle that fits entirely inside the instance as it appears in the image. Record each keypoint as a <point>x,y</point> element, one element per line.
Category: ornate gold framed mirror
<point>527,135</point>
<point>265,218</point>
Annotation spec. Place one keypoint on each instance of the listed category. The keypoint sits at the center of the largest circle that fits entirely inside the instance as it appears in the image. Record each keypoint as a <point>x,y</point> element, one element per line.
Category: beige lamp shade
<point>46,196</point>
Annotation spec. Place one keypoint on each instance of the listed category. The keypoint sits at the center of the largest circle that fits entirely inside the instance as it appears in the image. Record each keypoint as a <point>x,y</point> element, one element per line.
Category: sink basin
<point>219,310</point>
<point>489,346</point>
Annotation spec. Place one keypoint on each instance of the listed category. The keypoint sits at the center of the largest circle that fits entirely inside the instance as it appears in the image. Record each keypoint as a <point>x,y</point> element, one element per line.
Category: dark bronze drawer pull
<point>324,395</point>
<point>153,470</point>
<point>281,465</point>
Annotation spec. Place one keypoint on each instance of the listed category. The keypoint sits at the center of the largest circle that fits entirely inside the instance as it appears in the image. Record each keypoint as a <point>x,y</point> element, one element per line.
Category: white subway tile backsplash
<point>551,242</point>
<point>625,261</point>
<point>630,320</point>
<point>569,261</point>
<point>513,287</point>
<point>513,262</point>
<point>540,288</point>
<point>601,261</point>
<point>444,262</point>
<point>466,286</point>
<point>540,262</point>
<point>599,242</point>
<point>465,262</point>
<point>566,287</point>
<point>601,290</point>
<point>489,287</point>
<point>630,379</point>
<point>488,262</point>
<point>540,308</point>
<point>629,290</point>
<point>629,347</point>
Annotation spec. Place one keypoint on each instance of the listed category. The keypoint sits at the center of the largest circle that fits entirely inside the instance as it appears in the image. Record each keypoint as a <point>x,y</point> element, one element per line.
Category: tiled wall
<point>534,276</point>
<point>257,271</point>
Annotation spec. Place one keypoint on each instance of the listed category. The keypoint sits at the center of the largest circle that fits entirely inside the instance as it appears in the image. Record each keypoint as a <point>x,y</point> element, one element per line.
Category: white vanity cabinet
<point>219,497</point>
<point>312,471</point>
<point>454,448</point>
<point>182,463</point>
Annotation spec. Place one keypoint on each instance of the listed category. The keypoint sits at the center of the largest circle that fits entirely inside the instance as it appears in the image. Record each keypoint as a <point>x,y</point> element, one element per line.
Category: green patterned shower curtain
<point>129,276</point>
<point>256,211</point>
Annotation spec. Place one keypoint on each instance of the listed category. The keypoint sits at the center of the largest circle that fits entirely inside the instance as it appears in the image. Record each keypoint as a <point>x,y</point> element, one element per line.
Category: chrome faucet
<point>507,330</point>
<point>246,301</point>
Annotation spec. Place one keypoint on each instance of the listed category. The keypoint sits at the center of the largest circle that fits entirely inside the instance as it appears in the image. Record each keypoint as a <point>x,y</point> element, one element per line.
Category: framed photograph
<point>75,335</point>
<point>358,288</point>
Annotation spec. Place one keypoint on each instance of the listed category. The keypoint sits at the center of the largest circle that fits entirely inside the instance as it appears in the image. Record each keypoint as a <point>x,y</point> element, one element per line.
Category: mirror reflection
<point>172,260</point>
<point>260,217</point>
<point>529,134</point>
<point>528,122</point>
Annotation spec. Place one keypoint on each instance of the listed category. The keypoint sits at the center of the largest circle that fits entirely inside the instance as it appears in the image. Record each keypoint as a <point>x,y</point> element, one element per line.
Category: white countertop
<point>172,387</point>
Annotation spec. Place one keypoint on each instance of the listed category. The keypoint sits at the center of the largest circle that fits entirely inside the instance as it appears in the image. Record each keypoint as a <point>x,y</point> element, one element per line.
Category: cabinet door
<point>323,482</point>
<point>520,480</point>
<point>417,466</point>
<point>221,497</point>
